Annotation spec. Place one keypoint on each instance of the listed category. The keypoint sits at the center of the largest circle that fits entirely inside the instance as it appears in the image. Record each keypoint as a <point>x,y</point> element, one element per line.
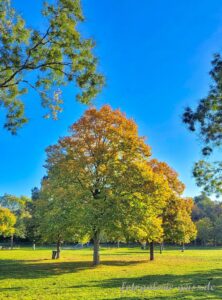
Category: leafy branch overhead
<point>30,59</point>
<point>207,121</point>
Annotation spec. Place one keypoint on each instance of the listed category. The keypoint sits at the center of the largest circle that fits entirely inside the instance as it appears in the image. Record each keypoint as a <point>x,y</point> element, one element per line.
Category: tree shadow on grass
<point>31,269</point>
<point>14,289</point>
<point>188,286</point>
<point>26,269</point>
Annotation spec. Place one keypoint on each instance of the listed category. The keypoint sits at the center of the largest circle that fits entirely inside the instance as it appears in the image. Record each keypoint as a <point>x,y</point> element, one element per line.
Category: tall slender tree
<point>176,217</point>
<point>178,225</point>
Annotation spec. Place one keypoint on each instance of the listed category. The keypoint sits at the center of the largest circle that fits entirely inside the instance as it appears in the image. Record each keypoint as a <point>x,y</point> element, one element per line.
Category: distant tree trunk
<point>118,244</point>
<point>12,241</point>
<point>183,247</point>
<point>58,249</point>
<point>127,241</point>
<point>152,250</point>
<point>215,242</point>
<point>161,248</point>
<point>143,246</point>
<point>96,254</point>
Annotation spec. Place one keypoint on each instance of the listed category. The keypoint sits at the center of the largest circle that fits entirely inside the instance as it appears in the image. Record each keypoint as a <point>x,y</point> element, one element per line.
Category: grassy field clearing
<point>27,274</point>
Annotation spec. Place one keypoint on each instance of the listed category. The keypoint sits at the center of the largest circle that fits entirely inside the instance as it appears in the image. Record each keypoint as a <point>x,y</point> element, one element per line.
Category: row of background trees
<point>207,215</point>
<point>20,212</point>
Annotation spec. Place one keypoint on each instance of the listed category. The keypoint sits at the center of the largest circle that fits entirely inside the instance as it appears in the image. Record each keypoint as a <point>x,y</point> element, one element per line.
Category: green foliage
<point>149,230</point>
<point>209,176</point>
<point>177,223</point>
<point>31,222</point>
<point>218,230</point>
<point>207,121</point>
<point>17,206</point>
<point>56,214</point>
<point>204,230</point>
<point>58,56</point>
<point>208,217</point>
<point>205,207</point>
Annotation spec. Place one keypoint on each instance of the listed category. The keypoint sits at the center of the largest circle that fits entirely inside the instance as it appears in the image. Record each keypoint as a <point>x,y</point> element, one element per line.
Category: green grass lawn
<point>28,274</point>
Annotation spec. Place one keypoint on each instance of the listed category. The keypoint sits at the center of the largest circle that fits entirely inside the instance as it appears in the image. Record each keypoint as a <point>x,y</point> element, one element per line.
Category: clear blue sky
<point>155,55</point>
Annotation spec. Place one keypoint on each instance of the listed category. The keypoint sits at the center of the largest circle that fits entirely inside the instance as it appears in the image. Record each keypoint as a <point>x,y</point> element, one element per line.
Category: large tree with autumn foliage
<point>105,160</point>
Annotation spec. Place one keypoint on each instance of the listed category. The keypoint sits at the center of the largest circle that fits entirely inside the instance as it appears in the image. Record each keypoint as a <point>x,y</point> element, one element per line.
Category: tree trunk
<point>96,255</point>
<point>183,248</point>
<point>12,241</point>
<point>58,249</point>
<point>161,248</point>
<point>117,244</point>
<point>151,250</point>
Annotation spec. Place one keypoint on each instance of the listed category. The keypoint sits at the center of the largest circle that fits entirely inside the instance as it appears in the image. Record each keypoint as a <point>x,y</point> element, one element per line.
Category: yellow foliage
<point>7,222</point>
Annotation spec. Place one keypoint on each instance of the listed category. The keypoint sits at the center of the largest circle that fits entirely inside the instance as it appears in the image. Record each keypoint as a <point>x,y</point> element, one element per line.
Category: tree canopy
<point>206,120</point>
<point>56,215</point>
<point>207,215</point>
<point>177,224</point>
<point>7,222</point>
<point>44,61</point>
<point>18,207</point>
